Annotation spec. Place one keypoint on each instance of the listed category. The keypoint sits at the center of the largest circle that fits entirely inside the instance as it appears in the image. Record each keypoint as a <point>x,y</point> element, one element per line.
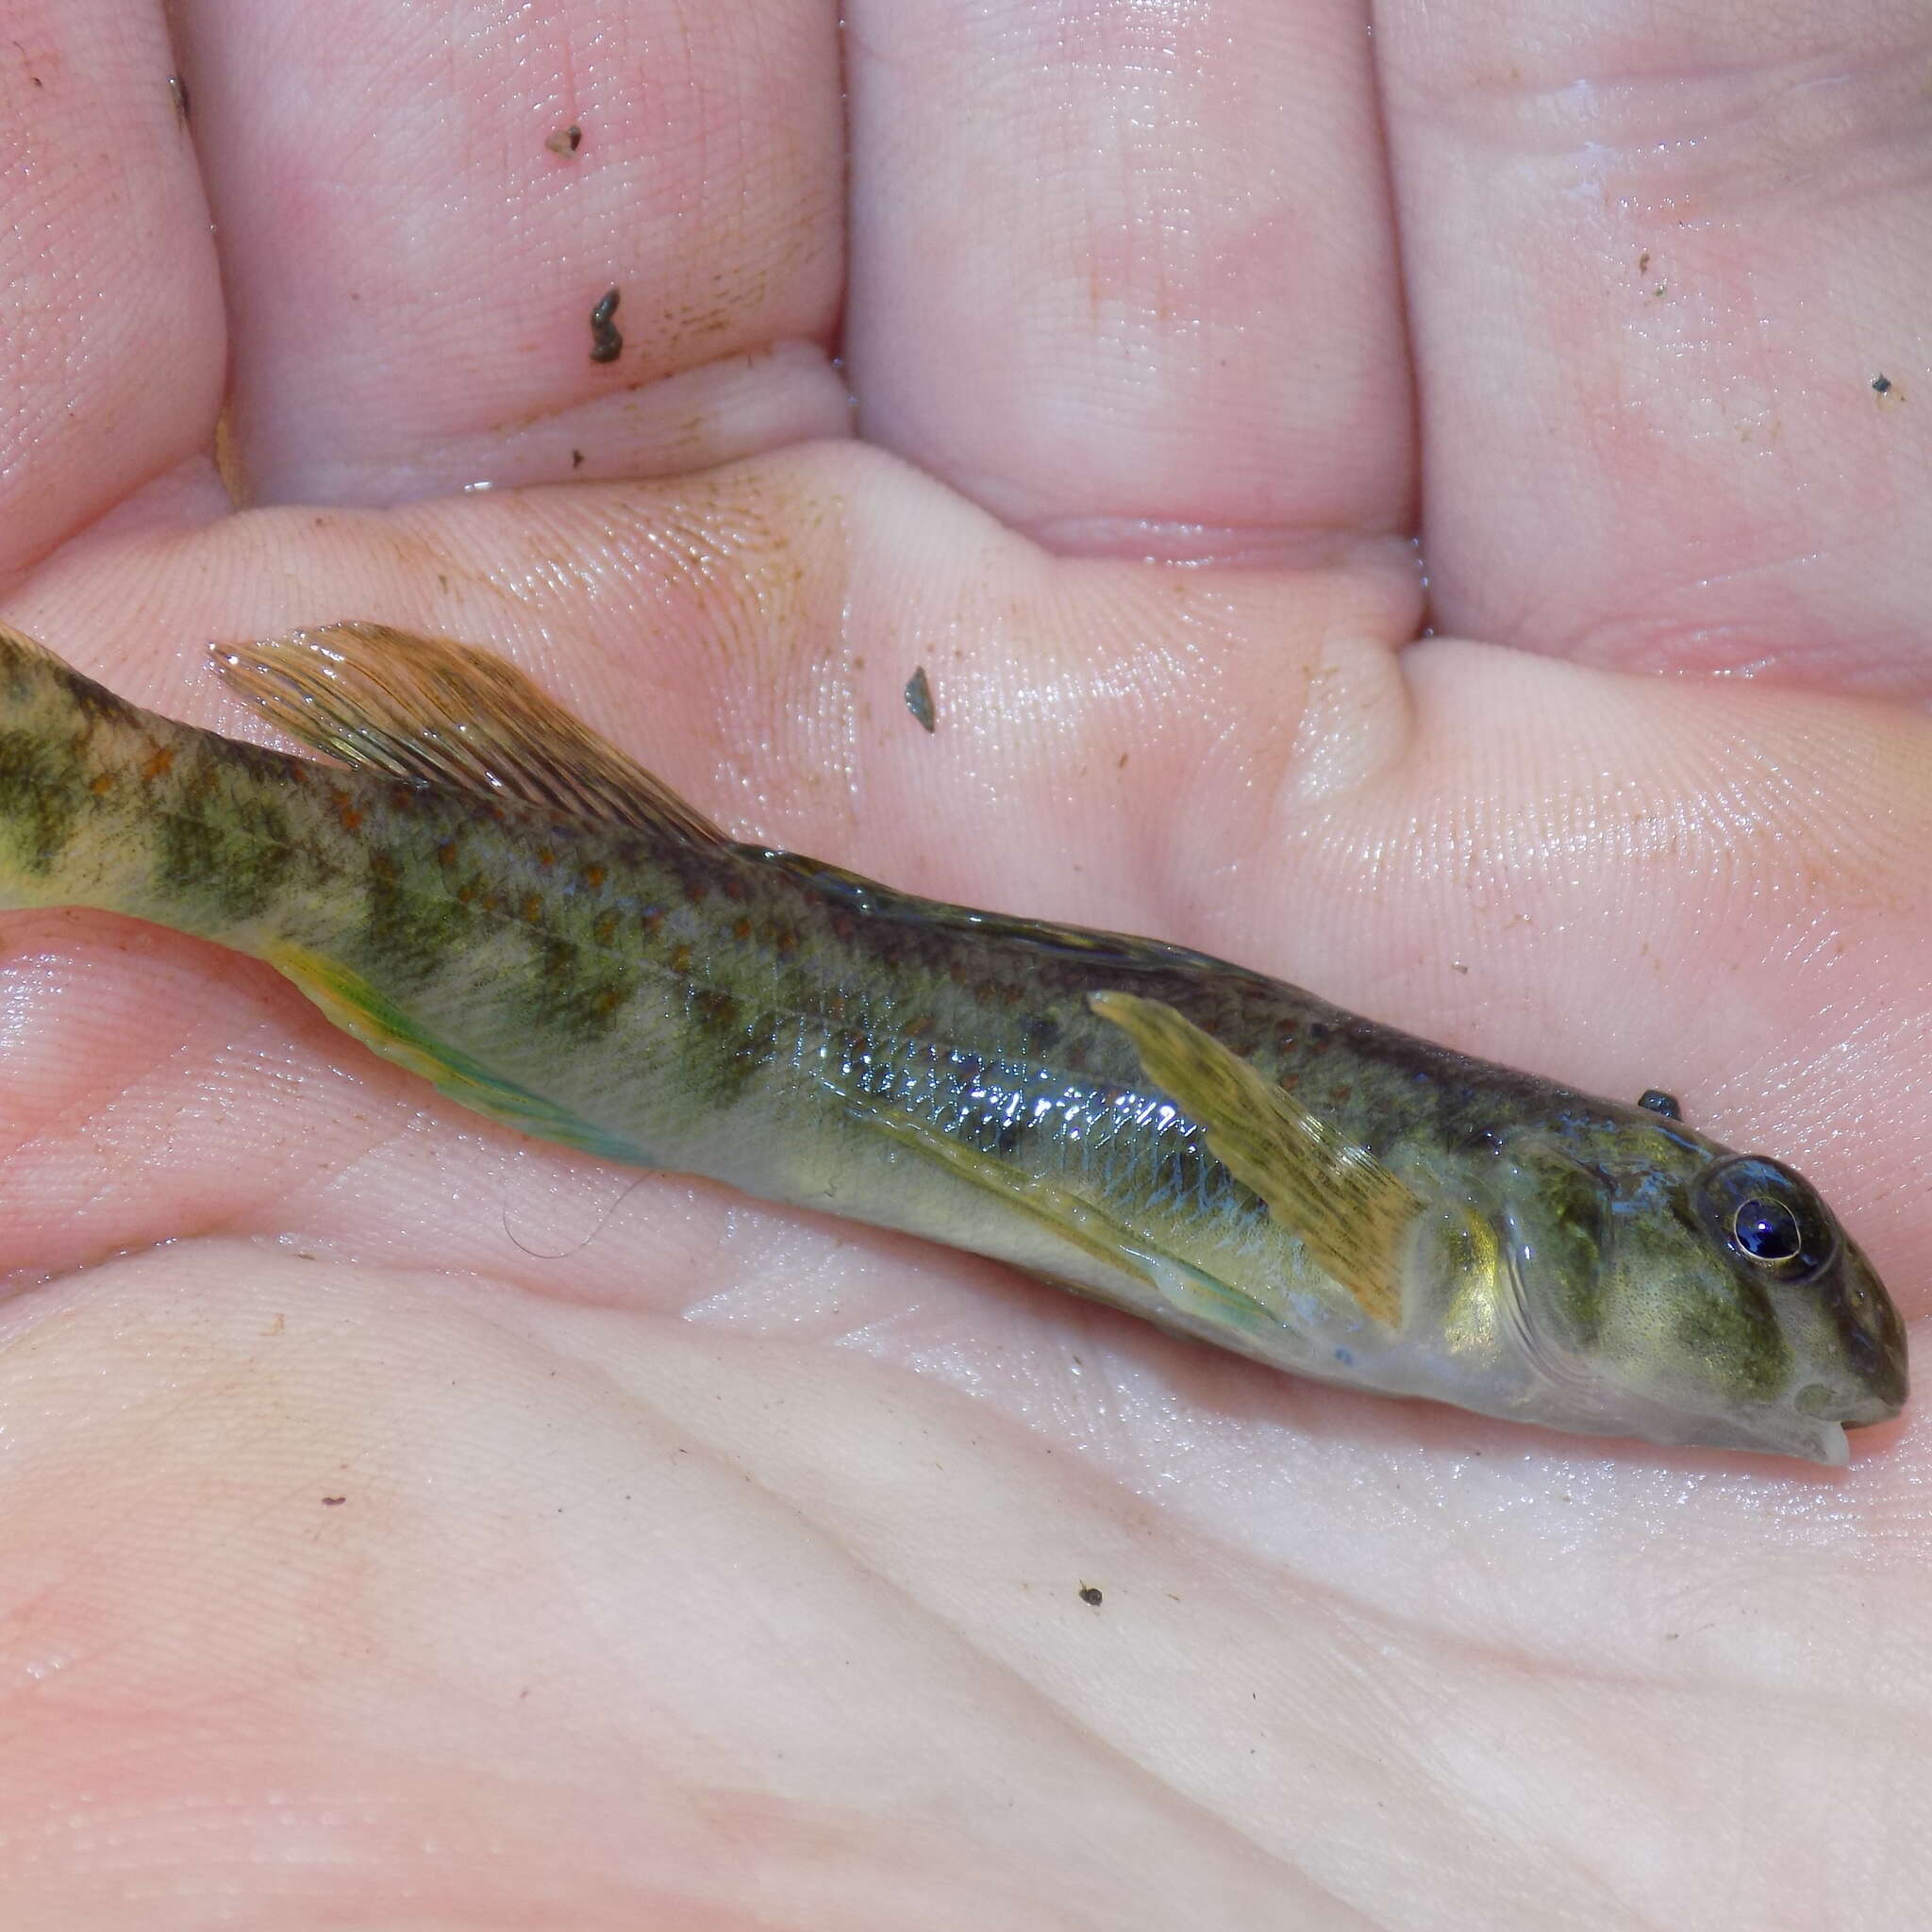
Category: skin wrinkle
<point>1010,1672</point>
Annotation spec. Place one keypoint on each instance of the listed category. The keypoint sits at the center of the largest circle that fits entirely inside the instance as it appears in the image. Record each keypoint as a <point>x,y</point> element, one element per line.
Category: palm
<point>695,1563</point>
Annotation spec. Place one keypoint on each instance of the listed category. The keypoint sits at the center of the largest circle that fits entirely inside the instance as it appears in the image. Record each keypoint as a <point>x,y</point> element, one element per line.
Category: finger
<point>106,274</point>
<point>1668,271</point>
<point>413,249</point>
<point>1124,274</point>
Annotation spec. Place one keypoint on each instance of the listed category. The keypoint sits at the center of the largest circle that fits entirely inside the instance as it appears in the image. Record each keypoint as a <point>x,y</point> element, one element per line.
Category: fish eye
<point>1768,1217</point>
<point>1765,1230</point>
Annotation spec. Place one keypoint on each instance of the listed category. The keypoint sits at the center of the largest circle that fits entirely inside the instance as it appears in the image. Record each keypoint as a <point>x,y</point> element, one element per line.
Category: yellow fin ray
<point>1186,1289</point>
<point>434,711</point>
<point>1351,1212</point>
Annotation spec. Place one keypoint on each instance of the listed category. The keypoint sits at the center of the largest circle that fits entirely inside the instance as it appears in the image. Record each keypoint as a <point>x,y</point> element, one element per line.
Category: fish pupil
<point>1766,1230</point>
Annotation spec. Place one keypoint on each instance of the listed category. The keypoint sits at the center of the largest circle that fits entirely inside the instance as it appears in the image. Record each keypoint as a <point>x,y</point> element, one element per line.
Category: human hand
<point>442,1529</point>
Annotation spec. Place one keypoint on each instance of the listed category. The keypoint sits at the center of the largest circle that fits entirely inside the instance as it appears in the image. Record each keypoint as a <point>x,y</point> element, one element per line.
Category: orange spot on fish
<point>545,857</point>
<point>159,765</point>
<point>446,852</point>
<point>741,930</point>
<point>101,782</point>
<point>593,876</point>
<point>531,909</point>
<point>606,929</point>
<point>348,812</point>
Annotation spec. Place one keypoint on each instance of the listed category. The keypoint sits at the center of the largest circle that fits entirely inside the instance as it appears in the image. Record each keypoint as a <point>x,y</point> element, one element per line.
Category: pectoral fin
<point>359,1009</point>
<point>1185,1288</point>
<point>1351,1212</point>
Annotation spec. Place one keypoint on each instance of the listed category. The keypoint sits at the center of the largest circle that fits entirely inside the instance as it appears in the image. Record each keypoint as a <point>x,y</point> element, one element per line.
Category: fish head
<point>1689,1294</point>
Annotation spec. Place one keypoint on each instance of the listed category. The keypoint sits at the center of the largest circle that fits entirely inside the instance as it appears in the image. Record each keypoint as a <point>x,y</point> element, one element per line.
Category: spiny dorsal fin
<point>1353,1214</point>
<point>431,710</point>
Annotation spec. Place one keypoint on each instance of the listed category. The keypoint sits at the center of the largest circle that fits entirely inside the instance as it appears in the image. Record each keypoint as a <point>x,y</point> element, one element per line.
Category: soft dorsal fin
<point>430,710</point>
<point>1352,1213</point>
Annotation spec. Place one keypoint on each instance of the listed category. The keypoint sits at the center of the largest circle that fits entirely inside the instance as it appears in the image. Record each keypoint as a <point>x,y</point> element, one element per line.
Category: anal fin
<point>369,1015</point>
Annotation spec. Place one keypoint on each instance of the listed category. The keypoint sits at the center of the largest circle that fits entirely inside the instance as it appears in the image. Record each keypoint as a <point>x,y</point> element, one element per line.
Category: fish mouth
<point>1826,1443</point>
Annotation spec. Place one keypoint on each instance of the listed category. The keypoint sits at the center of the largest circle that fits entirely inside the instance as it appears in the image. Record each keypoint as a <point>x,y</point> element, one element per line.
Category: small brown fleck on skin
<point>577,459</point>
<point>1089,1594</point>
<point>680,960</point>
<point>606,342</point>
<point>331,1502</point>
<point>178,92</point>
<point>566,140</point>
<point>1123,765</point>
<point>159,765</point>
<point>1644,261</point>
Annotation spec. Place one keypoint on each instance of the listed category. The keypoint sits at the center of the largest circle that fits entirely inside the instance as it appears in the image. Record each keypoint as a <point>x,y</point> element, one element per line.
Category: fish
<point>466,879</point>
